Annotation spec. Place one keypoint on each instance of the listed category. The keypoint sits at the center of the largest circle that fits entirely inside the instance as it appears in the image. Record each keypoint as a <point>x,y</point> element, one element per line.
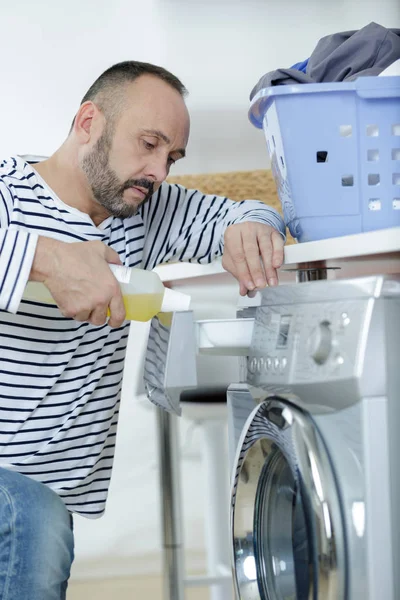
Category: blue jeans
<point>36,540</point>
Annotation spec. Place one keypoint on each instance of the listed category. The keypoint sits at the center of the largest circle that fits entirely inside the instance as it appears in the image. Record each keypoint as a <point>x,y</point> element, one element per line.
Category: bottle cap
<point>174,301</point>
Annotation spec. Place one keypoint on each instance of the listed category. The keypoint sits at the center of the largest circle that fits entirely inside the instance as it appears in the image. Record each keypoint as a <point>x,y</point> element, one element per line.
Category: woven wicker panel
<point>238,185</point>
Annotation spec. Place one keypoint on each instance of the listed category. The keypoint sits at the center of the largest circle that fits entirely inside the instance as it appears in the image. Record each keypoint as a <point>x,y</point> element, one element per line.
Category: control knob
<point>320,342</point>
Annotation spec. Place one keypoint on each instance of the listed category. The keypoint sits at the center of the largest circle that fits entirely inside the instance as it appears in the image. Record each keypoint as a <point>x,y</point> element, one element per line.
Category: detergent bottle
<point>143,293</point>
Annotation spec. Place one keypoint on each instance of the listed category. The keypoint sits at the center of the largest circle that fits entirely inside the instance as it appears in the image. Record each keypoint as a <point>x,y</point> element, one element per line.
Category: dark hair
<point>106,90</point>
<point>125,72</point>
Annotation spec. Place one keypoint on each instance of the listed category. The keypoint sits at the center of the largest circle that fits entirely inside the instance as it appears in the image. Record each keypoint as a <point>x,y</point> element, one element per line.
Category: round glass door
<point>282,550</point>
<point>287,530</point>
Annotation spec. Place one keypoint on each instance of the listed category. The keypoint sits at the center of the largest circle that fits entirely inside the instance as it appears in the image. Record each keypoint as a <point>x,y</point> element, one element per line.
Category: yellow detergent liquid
<point>142,307</point>
<point>143,292</point>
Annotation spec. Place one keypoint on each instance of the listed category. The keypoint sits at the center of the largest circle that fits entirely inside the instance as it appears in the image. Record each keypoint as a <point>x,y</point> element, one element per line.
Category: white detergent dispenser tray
<point>226,337</point>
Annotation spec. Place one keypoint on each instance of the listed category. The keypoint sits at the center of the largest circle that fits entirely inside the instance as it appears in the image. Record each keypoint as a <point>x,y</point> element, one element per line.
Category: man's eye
<point>171,161</point>
<point>148,145</point>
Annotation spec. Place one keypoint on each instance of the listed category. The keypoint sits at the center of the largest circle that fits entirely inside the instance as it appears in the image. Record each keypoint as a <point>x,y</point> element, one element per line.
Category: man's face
<point>129,161</point>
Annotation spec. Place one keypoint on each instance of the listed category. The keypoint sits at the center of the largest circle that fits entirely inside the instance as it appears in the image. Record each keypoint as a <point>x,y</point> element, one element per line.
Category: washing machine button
<point>268,364</point>
<point>277,364</point>
<point>339,360</point>
<point>253,365</point>
<point>283,363</point>
<point>260,365</point>
<point>344,320</point>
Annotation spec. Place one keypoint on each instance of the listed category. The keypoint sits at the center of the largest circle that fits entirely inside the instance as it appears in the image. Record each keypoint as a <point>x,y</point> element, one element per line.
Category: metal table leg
<point>216,489</point>
<point>170,491</point>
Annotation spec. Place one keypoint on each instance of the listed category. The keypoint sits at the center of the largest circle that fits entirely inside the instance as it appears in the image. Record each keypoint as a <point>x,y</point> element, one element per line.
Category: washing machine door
<point>287,527</point>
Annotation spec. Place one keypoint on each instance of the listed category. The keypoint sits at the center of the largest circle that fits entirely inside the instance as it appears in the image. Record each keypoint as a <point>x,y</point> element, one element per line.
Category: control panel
<point>300,343</point>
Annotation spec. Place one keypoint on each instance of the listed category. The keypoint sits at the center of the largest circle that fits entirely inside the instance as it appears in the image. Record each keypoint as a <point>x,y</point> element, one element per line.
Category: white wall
<point>51,51</point>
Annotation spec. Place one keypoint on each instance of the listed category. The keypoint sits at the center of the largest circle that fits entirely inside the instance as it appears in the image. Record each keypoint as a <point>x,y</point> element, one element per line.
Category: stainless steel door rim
<point>287,527</point>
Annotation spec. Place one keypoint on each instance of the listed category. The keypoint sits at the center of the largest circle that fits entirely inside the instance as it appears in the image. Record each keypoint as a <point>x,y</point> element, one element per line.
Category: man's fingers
<point>252,254</point>
<point>98,316</point>
<point>117,311</point>
<point>229,265</point>
<point>112,256</point>
<point>243,289</point>
<point>266,252</point>
<point>82,316</point>
<point>278,245</point>
<point>234,247</point>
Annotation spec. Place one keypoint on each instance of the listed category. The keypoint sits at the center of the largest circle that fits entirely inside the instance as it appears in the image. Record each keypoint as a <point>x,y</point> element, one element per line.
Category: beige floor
<point>135,588</point>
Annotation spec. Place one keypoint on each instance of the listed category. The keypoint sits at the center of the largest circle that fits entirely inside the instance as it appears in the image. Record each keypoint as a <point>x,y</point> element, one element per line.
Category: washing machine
<point>315,436</point>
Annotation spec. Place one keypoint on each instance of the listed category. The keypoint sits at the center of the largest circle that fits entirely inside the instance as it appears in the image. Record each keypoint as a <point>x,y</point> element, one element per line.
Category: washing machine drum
<point>287,527</point>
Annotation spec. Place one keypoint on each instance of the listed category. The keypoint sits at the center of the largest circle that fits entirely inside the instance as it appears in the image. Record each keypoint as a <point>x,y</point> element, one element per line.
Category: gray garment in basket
<point>342,57</point>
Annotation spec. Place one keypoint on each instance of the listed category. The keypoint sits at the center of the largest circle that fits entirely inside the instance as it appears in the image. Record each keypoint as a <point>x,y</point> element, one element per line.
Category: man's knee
<point>36,539</point>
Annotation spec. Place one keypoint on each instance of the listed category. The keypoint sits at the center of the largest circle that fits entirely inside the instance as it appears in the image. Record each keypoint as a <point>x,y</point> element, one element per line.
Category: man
<point>99,199</point>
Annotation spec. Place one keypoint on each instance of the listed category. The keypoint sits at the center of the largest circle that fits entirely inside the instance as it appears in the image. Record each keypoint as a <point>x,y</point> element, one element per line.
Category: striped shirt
<point>60,380</point>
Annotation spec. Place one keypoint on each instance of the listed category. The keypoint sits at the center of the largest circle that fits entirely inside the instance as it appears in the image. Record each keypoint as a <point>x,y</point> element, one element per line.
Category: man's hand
<point>253,252</point>
<point>80,280</point>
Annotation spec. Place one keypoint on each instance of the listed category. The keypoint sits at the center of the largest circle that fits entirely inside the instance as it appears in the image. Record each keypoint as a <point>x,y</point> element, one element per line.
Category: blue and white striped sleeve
<point>17,249</point>
<point>186,225</point>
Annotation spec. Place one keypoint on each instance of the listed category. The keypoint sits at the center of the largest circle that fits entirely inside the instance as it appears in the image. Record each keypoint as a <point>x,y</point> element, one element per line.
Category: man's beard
<point>106,188</point>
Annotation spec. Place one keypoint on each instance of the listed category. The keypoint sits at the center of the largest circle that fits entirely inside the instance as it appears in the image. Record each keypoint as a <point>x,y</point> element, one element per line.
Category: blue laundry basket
<point>335,154</point>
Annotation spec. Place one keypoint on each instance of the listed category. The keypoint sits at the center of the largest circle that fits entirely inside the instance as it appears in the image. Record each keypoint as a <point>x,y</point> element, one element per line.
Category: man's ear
<point>88,120</point>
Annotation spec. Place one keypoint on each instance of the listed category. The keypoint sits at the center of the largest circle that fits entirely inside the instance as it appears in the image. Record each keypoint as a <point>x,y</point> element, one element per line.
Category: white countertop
<point>380,248</point>
<point>371,244</point>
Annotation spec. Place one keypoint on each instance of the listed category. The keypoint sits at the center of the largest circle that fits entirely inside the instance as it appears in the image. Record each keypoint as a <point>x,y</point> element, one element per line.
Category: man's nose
<point>156,170</point>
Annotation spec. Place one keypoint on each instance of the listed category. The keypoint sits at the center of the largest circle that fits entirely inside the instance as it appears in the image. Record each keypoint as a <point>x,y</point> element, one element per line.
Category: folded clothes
<point>341,57</point>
